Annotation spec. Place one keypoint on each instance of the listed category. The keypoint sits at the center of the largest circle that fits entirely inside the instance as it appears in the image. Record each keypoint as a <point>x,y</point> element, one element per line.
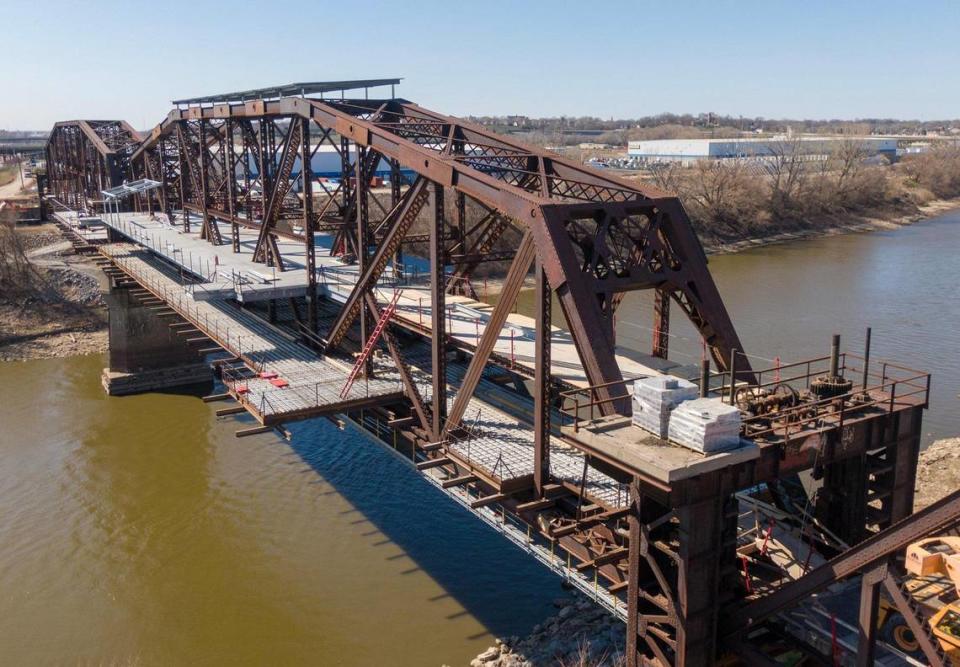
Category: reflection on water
<point>139,529</point>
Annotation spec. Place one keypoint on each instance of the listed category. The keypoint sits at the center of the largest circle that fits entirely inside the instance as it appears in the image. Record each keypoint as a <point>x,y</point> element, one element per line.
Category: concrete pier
<point>145,353</point>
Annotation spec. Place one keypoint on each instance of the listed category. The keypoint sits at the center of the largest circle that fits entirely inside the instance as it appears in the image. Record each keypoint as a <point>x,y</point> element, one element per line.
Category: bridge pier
<point>145,353</point>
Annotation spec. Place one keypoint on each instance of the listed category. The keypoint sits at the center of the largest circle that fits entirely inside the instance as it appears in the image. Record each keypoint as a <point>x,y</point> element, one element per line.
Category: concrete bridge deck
<point>313,383</point>
<point>223,274</point>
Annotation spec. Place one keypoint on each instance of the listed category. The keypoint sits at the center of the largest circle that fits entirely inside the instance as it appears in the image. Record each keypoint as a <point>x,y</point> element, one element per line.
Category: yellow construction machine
<point>933,585</point>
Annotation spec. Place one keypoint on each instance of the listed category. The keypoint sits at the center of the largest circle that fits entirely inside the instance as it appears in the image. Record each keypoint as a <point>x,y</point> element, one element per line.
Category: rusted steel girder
<point>939,516</point>
<point>399,221</point>
<point>85,157</point>
<point>596,235</point>
<point>511,288</point>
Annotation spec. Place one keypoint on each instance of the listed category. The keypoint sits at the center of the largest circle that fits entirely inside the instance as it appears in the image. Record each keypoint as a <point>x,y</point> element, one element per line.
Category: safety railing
<point>833,412</point>
<point>574,401</point>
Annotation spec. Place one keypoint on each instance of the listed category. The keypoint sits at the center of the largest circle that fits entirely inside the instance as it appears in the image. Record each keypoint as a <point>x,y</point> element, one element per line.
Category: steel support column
<point>438,311</point>
<point>661,323</point>
<point>869,604</point>
<point>306,174</point>
<point>541,390</point>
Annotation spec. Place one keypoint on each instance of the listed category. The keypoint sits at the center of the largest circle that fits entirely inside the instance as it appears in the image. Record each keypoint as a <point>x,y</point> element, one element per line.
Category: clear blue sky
<point>103,59</point>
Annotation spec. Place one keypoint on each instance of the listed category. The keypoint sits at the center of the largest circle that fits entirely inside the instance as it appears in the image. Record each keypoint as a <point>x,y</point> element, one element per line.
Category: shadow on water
<point>503,588</point>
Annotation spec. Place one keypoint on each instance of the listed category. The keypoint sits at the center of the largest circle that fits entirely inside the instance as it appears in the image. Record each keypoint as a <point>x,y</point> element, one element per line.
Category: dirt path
<point>12,189</point>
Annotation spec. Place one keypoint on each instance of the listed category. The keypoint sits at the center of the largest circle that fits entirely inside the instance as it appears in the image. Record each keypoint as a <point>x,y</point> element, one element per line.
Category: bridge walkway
<point>286,381</point>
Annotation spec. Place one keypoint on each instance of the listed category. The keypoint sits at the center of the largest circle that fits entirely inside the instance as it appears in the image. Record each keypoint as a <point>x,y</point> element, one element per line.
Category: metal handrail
<point>594,401</point>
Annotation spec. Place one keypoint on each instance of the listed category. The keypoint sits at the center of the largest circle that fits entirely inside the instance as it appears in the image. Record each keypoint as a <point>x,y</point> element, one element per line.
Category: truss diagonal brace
<point>511,288</point>
<point>281,186</point>
<point>404,216</point>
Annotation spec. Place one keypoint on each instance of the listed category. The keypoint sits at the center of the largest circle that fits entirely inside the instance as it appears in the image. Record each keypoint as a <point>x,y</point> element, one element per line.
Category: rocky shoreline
<point>938,472</point>
<point>582,634</point>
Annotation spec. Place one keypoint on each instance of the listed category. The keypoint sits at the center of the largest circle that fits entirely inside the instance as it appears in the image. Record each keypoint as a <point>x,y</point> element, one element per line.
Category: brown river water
<point>139,530</point>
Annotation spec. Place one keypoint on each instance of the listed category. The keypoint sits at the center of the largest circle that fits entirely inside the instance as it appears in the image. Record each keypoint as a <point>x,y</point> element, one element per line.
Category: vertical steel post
<point>835,356</point>
<point>866,360</point>
<point>205,232</point>
<point>231,174</point>
<point>661,323</point>
<point>306,173</point>
<point>181,148</point>
<point>704,378</point>
<point>362,214</point>
<point>541,391</point>
<point>633,578</point>
<point>394,200</point>
<point>733,376</point>
<point>437,311</point>
<point>869,604</point>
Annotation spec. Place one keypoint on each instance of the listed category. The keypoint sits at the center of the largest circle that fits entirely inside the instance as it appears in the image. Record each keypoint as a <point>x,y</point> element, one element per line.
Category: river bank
<point>847,223</point>
<point>51,303</point>
<point>581,634</point>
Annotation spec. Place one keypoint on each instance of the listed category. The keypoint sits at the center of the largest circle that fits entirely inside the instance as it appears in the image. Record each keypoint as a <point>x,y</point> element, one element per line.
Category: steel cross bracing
<point>85,157</point>
<point>595,235</point>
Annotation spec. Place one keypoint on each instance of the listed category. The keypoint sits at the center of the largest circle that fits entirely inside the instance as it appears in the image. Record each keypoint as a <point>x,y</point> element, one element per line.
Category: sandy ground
<point>13,189</point>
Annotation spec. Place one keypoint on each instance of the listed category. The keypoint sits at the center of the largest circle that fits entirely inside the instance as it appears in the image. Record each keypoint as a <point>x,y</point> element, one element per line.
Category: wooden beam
<point>458,481</point>
<point>433,463</point>
<point>256,430</point>
<point>488,500</point>
<point>234,410</point>
<point>535,505</point>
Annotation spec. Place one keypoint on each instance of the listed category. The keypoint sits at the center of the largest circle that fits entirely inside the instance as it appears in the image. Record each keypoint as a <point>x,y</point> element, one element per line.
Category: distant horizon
<point>604,118</point>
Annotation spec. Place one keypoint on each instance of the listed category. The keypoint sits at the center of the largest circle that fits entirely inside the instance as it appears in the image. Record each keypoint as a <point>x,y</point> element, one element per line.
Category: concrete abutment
<point>146,354</point>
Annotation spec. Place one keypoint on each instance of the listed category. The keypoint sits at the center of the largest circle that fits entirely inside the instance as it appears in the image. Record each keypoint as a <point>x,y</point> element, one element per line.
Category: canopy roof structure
<point>132,188</point>
<point>289,90</point>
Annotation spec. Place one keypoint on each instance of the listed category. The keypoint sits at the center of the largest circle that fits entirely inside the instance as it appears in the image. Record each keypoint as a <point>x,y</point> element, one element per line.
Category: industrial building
<point>691,150</point>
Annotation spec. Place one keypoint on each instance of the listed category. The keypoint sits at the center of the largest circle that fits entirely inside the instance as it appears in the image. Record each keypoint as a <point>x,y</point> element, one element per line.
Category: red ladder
<point>385,316</point>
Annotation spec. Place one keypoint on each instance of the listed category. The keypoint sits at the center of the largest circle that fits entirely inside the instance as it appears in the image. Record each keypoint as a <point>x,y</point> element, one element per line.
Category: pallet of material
<point>705,425</point>
<point>655,397</point>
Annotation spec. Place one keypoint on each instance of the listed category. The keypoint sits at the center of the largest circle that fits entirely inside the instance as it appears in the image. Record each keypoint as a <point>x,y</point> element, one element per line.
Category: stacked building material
<point>654,398</point>
<point>706,425</point>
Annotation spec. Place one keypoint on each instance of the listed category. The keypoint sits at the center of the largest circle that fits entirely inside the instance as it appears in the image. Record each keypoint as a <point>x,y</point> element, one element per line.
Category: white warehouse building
<point>691,150</point>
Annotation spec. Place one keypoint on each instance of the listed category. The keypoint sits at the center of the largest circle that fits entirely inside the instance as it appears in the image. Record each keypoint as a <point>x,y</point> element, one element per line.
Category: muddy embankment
<point>51,302</point>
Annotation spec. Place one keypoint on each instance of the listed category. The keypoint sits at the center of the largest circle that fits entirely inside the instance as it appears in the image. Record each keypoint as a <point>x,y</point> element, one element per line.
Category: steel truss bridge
<point>235,174</point>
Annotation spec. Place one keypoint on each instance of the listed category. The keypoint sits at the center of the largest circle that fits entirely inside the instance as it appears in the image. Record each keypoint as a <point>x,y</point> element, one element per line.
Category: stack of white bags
<point>654,398</point>
<point>706,425</point>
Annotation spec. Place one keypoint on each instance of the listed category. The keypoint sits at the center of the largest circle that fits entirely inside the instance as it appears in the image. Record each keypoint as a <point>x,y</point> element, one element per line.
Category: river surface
<point>787,299</point>
<point>139,530</point>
